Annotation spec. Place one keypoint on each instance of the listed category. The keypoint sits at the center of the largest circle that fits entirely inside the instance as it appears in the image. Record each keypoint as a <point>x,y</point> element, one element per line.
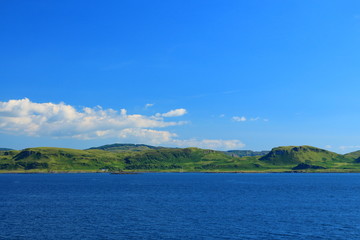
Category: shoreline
<point>140,172</point>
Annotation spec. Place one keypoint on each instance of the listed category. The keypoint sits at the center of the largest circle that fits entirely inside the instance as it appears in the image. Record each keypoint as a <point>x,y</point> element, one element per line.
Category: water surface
<point>180,206</point>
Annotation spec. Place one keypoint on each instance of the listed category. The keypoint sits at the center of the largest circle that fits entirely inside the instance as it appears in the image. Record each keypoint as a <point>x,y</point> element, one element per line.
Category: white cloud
<point>343,148</point>
<point>210,143</point>
<point>239,119</point>
<point>174,113</point>
<point>148,105</point>
<point>23,117</point>
<point>147,135</point>
<point>244,119</point>
<point>328,146</point>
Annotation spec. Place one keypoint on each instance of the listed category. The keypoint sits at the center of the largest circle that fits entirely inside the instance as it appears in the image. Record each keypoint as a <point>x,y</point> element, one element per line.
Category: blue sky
<point>220,74</point>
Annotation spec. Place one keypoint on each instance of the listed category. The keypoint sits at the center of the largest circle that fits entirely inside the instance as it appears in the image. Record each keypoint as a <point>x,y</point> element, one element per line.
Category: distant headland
<point>132,158</point>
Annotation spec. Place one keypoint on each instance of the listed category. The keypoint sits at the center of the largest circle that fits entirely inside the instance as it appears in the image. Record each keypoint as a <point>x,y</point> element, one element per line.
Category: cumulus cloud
<point>244,119</point>
<point>147,135</point>
<point>239,119</point>
<point>175,113</point>
<point>23,117</point>
<point>343,148</point>
<point>62,120</point>
<point>218,144</point>
<point>148,105</point>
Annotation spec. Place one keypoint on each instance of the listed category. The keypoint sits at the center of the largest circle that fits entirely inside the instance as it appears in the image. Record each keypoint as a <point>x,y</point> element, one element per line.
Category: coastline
<point>212,172</point>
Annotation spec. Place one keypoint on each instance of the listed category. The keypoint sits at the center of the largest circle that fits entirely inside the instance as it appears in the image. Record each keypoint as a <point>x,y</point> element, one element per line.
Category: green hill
<point>169,159</point>
<point>303,166</point>
<point>6,149</point>
<point>138,157</point>
<point>186,159</point>
<point>353,155</point>
<point>120,147</point>
<point>6,159</point>
<point>245,153</point>
<point>61,159</point>
<point>294,155</point>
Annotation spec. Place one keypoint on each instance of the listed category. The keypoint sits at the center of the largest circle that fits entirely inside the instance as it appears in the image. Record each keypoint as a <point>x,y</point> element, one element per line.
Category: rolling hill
<point>245,153</point>
<point>120,147</point>
<point>353,155</point>
<point>312,156</point>
<point>6,149</point>
<point>139,157</point>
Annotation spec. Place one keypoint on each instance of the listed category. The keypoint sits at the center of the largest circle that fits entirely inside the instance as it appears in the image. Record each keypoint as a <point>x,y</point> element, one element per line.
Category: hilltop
<point>141,157</point>
<point>244,153</point>
<point>354,155</point>
<point>121,147</point>
<point>64,159</point>
<point>305,157</point>
<point>299,154</point>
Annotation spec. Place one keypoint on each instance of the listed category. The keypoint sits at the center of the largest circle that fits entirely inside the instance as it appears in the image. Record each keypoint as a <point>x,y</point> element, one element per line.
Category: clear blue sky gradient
<point>294,63</point>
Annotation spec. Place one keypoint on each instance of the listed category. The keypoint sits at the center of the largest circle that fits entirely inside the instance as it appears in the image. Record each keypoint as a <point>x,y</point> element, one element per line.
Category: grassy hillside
<point>169,159</point>
<point>280,159</point>
<point>6,159</point>
<point>186,159</point>
<point>353,155</point>
<point>119,147</point>
<point>62,159</point>
<point>294,155</point>
<point>245,153</point>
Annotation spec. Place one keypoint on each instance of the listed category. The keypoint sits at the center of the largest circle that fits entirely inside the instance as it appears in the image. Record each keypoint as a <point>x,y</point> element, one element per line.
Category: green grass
<point>353,155</point>
<point>120,147</point>
<point>303,154</point>
<point>280,159</point>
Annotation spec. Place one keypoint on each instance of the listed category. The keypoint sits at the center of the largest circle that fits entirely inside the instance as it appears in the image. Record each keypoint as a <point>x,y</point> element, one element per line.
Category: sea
<point>180,206</point>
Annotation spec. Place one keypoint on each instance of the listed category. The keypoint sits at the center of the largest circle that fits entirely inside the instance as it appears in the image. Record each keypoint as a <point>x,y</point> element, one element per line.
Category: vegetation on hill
<point>186,159</point>
<point>6,149</point>
<point>245,153</point>
<point>59,159</point>
<point>138,157</point>
<point>303,166</point>
<point>294,155</point>
<point>120,147</point>
<point>353,155</point>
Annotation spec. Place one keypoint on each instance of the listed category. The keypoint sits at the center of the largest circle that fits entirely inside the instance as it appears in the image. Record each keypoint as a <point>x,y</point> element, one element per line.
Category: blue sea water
<point>180,206</point>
